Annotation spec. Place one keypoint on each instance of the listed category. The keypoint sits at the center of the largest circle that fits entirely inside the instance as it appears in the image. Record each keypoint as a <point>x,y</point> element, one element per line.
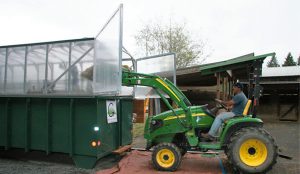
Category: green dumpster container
<point>75,126</point>
<point>66,96</point>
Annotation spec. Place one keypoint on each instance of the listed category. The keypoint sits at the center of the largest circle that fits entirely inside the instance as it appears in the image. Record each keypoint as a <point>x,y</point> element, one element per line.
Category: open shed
<point>205,82</point>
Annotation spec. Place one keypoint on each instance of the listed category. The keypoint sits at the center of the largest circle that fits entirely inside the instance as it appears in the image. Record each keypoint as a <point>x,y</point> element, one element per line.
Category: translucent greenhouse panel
<point>108,56</point>
<point>36,66</point>
<point>58,63</point>
<point>162,65</point>
<point>15,70</point>
<point>81,74</point>
<point>2,68</point>
<point>127,63</point>
<point>125,90</point>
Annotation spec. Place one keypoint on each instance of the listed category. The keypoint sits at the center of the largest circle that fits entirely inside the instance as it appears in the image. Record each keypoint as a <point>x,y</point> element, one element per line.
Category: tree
<point>159,39</point>
<point>273,62</point>
<point>299,60</point>
<point>289,60</point>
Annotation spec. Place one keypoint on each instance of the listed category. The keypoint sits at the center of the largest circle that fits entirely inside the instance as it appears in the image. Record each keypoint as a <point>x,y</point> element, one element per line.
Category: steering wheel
<point>221,105</point>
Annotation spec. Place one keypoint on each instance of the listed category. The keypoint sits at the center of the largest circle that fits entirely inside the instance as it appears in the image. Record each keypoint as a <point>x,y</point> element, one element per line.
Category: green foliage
<point>299,60</point>
<point>138,129</point>
<point>289,61</point>
<point>273,62</point>
<point>159,39</point>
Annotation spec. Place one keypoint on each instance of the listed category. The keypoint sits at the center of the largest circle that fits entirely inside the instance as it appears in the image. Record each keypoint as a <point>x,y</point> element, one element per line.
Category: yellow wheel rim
<point>165,158</point>
<point>253,152</point>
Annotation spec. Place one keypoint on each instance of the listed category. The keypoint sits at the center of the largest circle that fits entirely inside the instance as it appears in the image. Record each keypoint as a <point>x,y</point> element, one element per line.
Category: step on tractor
<point>248,146</point>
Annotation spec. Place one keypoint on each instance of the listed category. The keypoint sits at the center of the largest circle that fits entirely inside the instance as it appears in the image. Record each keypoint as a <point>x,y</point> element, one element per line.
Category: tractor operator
<point>238,103</point>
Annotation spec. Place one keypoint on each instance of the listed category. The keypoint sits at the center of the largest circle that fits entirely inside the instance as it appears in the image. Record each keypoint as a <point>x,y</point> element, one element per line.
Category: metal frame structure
<point>68,122</point>
<point>120,48</point>
<point>47,63</point>
<point>140,92</point>
<point>159,56</point>
<point>44,59</point>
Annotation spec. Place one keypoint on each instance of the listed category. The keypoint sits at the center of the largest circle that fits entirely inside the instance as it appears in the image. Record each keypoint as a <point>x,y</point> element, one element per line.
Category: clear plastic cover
<point>81,74</point>
<point>127,63</point>
<point>2,68</point>
<point>161,65</point>
<point>108,57</point>
<point>125,90</point>
<point>15,70</point>
<point>58,79</point>
<point>36,69</point>
<point>58,62</point>
<point>78,67</point>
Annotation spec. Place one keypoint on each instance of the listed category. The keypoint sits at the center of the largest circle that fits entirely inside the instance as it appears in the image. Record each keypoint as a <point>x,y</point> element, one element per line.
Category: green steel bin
<point>70,125</point>
<point>66,96</point>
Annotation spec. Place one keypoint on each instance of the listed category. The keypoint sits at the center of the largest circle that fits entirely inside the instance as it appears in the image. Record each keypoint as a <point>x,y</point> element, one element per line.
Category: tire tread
<point>238,135</point>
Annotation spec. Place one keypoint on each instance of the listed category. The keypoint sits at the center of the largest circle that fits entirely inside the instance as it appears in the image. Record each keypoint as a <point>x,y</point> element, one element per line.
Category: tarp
<point>140,162</point>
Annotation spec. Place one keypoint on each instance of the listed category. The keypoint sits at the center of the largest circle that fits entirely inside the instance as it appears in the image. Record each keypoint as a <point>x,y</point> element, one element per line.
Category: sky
<point>229,28</point>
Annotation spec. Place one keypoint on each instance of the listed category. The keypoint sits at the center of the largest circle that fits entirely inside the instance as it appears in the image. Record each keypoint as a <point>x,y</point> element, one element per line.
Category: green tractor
<point>249,147</point>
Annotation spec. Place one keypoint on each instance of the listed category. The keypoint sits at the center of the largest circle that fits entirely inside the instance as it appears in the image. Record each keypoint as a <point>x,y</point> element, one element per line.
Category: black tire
<point>183,151</point>
<point>252,150</point>
<point>166,157</point>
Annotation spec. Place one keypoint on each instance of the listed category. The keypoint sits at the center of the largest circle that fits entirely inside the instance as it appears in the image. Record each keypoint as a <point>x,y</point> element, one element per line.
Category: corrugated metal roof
<point>245,58</point>
<point>281,71</point>
<point>236,62</point>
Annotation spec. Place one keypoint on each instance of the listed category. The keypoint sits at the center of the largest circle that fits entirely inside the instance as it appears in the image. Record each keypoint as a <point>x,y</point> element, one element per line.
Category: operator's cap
<point>239,85</point>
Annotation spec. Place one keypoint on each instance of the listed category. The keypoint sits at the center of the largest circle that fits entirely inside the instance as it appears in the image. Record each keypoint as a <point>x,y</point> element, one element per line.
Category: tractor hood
<point>179,113</point>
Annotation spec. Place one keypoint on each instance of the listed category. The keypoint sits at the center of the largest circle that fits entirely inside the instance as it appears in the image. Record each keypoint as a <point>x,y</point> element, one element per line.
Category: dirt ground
<point>138,161</point>
<point>286,134</point>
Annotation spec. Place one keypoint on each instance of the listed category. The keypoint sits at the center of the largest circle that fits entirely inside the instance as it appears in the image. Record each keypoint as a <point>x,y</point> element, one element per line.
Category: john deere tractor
<point>248,146</point>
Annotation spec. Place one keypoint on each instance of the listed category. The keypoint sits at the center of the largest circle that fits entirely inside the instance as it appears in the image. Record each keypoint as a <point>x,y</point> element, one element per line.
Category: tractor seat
<point>245,112</point>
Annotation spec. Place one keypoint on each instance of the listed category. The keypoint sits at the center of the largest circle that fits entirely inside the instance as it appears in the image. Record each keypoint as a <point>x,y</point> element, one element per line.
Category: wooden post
<point>298,110</point>
<point>226,88</point>
<point>218,85</point>
<point>151,107</point>
<point>229,88</point>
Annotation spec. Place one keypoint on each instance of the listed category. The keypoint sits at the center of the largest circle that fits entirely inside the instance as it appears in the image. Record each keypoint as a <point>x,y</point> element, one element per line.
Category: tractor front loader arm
<point>156,82</point>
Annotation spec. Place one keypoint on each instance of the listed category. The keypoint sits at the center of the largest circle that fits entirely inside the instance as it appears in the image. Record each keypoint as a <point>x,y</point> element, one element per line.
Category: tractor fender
<point>235,124</point>
<point>164,138</point>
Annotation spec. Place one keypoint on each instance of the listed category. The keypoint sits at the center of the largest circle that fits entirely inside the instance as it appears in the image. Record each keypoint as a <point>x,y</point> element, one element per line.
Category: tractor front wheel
<point>166,157</point>
<point>252,150</point>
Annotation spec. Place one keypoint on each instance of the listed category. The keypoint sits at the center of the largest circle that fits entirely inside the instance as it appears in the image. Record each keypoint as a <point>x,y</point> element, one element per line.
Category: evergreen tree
<point>299,60</point>
<point>289,60</point>
<point>273,62</point>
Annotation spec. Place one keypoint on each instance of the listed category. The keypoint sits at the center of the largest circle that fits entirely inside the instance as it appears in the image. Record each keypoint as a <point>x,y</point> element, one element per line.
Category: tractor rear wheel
<point>252,150</point>
<point>166,157</point>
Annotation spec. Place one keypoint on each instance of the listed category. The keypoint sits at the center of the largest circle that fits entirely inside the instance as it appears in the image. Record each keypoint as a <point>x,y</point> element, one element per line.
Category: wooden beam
<point>199,88</point>
<point>223,88</point>
<point>122,149</point>
<point>298,109</point>
<point>218,85</point>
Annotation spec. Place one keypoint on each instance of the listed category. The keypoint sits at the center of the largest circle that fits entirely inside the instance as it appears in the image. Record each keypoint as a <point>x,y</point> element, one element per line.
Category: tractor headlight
<point>153,122</point>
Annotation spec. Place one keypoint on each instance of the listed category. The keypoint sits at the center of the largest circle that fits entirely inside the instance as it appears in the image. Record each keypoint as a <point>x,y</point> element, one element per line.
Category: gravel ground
<point>17,166</point>
<point>286,135</point>
<point>17,162</point>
